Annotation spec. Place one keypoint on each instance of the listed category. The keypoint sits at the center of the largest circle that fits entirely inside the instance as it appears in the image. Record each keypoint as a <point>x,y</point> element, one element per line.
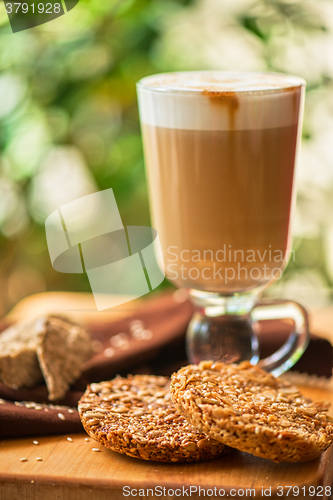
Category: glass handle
<point>285,357</point>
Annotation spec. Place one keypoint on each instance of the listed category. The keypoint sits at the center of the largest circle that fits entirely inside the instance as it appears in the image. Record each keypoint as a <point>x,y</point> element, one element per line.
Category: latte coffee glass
<point>220,151</point>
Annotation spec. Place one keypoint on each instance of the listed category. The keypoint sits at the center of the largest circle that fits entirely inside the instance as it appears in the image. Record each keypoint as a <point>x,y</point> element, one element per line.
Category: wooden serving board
<point>71,470</point>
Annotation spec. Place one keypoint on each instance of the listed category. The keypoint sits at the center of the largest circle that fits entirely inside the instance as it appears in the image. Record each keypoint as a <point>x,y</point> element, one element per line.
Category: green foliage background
<point>68,105</point>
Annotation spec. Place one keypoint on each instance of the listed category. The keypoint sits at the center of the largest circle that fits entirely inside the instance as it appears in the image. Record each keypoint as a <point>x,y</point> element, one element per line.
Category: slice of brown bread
<point>19,365</point>
<point>61,352</point>
<point>247,408</point>
<point>52,347</point>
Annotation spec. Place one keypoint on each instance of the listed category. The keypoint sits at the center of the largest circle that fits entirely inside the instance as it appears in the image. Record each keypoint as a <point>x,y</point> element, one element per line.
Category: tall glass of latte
<point>220,151</point>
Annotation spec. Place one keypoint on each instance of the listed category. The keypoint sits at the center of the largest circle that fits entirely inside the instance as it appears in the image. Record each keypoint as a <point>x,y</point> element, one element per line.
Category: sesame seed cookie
<point>135,416</point>
<point>247,408</point>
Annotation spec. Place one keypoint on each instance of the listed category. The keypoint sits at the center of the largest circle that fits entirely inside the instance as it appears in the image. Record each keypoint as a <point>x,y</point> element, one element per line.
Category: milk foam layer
<point>216,100</point>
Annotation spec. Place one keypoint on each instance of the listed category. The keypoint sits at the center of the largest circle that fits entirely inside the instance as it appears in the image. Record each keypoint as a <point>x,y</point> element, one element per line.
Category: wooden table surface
<point>71,470</point>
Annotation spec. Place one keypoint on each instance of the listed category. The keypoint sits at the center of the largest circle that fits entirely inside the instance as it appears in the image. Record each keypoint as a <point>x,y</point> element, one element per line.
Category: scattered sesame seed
<point>61,416</point>
<point>70,410</point>
<point>35,442</point>
<point>87,440</point>
<point>18,403</point>
<point>70,440</point>
<point>120,340</point>
<point>109,352</point>
<point>39,459</point>
<point>136,323</point>
<point>32,481</point>
<point>24,459</point>
<point>2,401</point>
<point>96,449</point>
<point>142,334</point>
<point>38,407</point>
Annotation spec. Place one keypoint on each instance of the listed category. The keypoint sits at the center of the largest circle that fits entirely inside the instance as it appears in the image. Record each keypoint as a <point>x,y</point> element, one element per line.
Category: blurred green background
<point>69,120</point>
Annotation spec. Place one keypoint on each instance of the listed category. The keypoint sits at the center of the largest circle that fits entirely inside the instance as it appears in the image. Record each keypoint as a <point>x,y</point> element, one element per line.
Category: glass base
<point>224,328</point>
<point>228,339</point>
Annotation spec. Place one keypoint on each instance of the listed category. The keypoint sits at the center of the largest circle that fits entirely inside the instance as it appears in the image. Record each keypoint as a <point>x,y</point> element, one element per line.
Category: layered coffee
<point>220,153</point>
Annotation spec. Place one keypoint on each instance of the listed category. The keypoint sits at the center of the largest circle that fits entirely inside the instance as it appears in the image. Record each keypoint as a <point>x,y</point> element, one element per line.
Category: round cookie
<point>247,408</point>
<point>135,416</point>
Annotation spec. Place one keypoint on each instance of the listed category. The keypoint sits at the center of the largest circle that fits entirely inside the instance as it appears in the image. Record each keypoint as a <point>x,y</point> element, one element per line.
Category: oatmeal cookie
<point>135,416</point>
<point>247,408</point>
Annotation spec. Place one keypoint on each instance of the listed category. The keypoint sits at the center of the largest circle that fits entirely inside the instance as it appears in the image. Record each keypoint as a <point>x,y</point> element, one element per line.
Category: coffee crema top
<point>221,81</point>
<point>218,100</point>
